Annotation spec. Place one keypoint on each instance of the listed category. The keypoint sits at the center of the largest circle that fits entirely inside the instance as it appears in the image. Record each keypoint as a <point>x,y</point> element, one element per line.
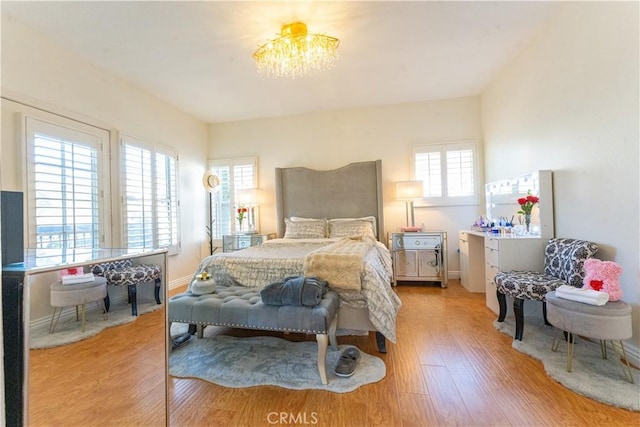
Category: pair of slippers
<point>347,363</point>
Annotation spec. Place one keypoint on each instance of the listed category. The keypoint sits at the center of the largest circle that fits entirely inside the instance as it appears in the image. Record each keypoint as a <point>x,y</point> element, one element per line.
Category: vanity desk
<point>483,254</point>
<point>487,254</point>
<point>25,299</point>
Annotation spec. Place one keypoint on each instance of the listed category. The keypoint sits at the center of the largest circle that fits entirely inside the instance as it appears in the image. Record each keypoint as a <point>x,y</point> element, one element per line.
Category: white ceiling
<point>197,55</point>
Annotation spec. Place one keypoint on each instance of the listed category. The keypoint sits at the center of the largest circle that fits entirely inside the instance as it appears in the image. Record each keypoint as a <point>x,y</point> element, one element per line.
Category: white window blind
<point>150,196</point>
<point>166,197</point>
<point>234,174</point>
<point>448,171</point>
<point>64,167</point>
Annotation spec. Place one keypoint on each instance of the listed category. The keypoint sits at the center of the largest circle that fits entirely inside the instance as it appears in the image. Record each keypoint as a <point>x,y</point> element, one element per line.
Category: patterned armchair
<point>121,273</point>
<point>563,265</point>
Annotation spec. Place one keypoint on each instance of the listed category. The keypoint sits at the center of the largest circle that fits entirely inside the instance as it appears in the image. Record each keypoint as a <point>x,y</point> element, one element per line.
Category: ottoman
<point>242,307</point>
<point>609,322</point>
<point>77,295</point>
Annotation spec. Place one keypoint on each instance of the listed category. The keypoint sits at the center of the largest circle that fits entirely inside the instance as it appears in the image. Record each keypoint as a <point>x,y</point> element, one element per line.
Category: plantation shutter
<point>448,171</point>
<point>64,190</point>
<point>460,180</point>
<point>138,197</point>
<point>166,198</point>
<point>429,170</point>
<point>150,200</point>
<point>234,174</point>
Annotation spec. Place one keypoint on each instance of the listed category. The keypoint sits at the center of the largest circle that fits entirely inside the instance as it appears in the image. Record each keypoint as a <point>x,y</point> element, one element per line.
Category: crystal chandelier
<point>296,53</point>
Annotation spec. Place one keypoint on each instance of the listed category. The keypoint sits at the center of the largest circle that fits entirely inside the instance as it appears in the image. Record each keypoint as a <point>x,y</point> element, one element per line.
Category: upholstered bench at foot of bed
<point>242,307</point>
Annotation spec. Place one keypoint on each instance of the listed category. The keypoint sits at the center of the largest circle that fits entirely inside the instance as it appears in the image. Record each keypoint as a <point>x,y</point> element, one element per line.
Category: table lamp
<point>249,198</point>
<point>408,191</point>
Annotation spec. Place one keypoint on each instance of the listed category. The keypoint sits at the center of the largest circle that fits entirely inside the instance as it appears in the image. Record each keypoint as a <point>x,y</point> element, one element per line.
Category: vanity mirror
<point>502,200</point>
<point>106,375</point>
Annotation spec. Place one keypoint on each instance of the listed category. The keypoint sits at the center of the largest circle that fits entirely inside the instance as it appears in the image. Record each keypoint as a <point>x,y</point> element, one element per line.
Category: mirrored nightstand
<point>235,242</point>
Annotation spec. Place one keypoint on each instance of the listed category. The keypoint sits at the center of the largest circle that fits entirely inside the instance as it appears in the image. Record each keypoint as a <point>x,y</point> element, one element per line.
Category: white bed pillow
<point>299,218</point>
<point>352,228</point>
<point>310,229</point>
<point>370,219</point>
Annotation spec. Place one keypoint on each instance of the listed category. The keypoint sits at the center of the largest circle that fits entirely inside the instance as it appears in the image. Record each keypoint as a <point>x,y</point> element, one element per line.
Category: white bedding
<point>278,258</point>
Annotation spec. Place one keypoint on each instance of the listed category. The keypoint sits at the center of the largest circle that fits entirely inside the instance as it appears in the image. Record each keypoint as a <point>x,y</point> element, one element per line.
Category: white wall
<point>47,76</point>
<point>333,139</point>
<point>570,104</point>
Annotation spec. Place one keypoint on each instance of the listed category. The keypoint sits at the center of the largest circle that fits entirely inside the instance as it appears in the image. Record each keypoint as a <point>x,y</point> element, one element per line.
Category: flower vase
<point>240,228</point>
<point>527,222</point>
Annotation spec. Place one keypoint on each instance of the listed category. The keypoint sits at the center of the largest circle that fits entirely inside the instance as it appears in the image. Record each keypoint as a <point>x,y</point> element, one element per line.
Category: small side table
<point>419,256</point>
<point>236,242</point>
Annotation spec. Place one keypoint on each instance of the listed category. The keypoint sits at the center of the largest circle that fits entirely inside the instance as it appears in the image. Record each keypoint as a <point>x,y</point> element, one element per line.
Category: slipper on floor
<point>347,362</point>
<point>177,341</point>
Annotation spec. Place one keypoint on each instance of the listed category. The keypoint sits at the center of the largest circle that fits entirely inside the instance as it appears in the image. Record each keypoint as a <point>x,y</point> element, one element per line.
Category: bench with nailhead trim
<point>242,307</point>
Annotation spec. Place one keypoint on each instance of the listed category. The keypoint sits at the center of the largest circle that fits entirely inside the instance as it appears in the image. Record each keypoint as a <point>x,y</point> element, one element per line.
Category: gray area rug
<point>265,360</point>
<point>592,376</point>
<point>69,330</point>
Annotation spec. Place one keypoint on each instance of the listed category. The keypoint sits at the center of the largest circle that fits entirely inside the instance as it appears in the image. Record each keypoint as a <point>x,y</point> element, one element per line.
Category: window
<point>66,203</point>
<point>234,174</point>
<point>150,195</point>
<point>448,171</point>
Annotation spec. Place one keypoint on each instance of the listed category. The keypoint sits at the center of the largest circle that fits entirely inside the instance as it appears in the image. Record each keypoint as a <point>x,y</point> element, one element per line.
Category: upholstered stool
<point>125,273</point>
<point>77,295</point>
<point>609,322</point>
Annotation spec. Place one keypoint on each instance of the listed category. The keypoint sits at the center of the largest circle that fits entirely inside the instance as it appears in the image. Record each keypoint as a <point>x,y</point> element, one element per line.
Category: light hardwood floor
<point>449,367</point>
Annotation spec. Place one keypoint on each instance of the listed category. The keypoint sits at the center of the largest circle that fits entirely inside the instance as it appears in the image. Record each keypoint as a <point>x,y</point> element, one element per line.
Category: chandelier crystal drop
<point>296,53</point>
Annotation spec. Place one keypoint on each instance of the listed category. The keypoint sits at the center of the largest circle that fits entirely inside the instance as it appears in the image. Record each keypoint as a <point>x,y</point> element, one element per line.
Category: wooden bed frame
<point>352,191</point>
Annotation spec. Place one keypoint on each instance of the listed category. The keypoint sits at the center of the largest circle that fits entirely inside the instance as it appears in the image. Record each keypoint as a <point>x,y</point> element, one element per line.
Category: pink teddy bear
<point>603,276</point>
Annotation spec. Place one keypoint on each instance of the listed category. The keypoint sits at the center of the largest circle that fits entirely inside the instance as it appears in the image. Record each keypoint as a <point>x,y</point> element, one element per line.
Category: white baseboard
<point>116,296</point>
<point>176,283</point>
<point>454,275</point>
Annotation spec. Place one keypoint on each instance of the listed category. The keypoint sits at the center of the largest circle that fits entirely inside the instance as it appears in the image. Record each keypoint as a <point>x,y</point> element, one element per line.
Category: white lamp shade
<point>409,190</point>
<point>248,196</point>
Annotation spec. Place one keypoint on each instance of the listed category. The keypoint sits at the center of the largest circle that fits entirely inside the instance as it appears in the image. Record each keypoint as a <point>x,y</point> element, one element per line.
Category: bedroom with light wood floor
<point>449,367</point>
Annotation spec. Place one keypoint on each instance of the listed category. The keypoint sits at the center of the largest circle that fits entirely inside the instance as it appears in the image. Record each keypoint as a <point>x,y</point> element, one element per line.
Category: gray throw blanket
<point>295,290</point>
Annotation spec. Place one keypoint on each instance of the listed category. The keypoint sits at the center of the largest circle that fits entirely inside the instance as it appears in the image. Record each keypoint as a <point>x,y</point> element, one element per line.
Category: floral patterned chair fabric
<point>121,273</point>
<point>563,265</point>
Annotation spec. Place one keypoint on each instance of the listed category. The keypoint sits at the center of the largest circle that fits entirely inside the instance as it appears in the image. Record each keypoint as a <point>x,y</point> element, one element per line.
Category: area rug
<point>69,330</point>
<point>265,360</point>
<point>592,376</point>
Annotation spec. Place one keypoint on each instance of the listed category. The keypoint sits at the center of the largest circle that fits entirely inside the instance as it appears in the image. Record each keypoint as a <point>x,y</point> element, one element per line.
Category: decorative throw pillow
<point>315,229</point>
<point>354,228</point>
<point>370,219</point>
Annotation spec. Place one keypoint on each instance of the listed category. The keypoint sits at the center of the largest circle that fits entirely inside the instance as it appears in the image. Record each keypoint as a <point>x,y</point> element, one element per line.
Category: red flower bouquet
<point>527,203</point>
<point>241,213</point>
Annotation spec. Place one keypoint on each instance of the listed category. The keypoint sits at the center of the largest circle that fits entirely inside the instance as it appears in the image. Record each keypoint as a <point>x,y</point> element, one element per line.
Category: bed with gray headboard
<point>352,191</point>
<point>341,207</point>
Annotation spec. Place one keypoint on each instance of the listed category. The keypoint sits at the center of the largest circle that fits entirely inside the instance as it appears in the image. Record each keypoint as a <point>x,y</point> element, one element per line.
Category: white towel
<point>72,279</point>
<point>587,296</point>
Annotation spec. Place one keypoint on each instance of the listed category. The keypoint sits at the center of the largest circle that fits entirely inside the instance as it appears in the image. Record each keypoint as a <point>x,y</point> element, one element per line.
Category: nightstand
<point>419,256</point>
<point>235,242</point>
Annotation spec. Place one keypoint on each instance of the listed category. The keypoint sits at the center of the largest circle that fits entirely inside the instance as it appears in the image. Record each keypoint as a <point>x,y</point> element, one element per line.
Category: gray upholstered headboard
<point>352,191</point>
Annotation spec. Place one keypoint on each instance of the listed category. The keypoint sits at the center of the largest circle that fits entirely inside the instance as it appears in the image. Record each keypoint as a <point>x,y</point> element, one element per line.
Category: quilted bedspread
<point>267,263</point>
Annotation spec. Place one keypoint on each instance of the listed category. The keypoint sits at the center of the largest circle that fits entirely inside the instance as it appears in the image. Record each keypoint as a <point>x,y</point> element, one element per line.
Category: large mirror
<point>85,367</point>
<point>502,200</point>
